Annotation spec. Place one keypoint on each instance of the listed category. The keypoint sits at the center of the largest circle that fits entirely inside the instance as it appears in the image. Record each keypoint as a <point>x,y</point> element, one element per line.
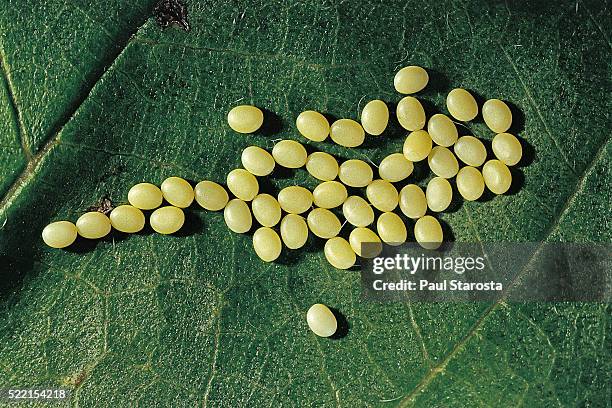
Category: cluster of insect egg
<point>432,144</point>
<point>130,218</point>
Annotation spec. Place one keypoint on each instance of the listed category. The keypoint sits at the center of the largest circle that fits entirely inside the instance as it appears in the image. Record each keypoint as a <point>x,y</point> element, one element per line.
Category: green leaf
<point>88,110</point>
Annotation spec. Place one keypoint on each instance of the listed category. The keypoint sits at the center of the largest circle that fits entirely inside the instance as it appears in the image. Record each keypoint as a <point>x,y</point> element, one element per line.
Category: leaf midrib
<point>15,111</point>
<point>34,160</point>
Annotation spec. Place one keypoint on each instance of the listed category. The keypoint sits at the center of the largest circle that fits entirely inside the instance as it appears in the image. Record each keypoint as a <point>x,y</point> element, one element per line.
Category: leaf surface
<point>89,110</point>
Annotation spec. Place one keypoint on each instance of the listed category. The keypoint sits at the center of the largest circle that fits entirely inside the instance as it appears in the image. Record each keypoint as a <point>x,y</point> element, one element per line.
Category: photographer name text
<point>441,286</point>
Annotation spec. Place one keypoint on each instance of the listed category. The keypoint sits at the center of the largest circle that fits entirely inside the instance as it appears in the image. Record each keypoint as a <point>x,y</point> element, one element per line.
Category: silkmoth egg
<point>295,199</point>
<point>178,192</point>
<point>442,162</point>
<point>290,154</point>
<point>257,161</point>
<point>461,105</point>
<point>245,118</point>
<point>312,125</point>
<point>322,166</point>
<point>237,216</point>
<point>417,146</point>
<point>507,148</point>
<point>365,242</point>
<point>442,130</point>
<point>470,183</point>
<point>470,150</point>
<point>439,194</point>
<point>412,201</point>
<point>127,218</point>
<point>93,225</point>
<point>382,195</point>
<point>266,210</point>
<point>145,196</point>
<point>210,195</point>
<point>375,117</point>
<point>428,232</point>
<point>339,253</point>
<point>395,167</point>
<point>410,113</point>
<point>294,231</point>
<point>59,234</point>
<point>242,184</point>
<point>355,173</point>
<point>391,229</point>
<point>267,244</point>
<point>497,176</point>
<point>497,115</point>
<point>329,194</point>
<point>321,320</point>
<point>167,220</point>
<point>411,79</point>
<point>323,223</point>
<point>347,133</point>
<point>358,211</point>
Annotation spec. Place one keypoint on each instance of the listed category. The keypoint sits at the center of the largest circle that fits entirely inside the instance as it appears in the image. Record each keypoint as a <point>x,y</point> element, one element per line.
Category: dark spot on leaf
<point>169,12</point>
<point>105,206</point>
<point>80,377</point>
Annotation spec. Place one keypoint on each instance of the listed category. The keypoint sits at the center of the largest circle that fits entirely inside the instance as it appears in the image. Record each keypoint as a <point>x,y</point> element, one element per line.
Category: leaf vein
<point>14,106</point>
<point>537,109</point>
<point>213,366</point>
<point>601,30</point>
<point>429,377</point>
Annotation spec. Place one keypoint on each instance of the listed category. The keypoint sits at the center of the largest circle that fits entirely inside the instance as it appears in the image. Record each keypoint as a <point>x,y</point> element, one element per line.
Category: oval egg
<point>322,166</point>
<point>461,104</point>
<point>245,118</point>
<point>93,225</point>
<point>411,79</point>
<point>257,161</point>
<point>412,201</point>
<point>59,234</point>
<point>382,195</point>
<point>417,146</point>
<point>290,154</point>
<point>375,117</point>
<point>267,244</point>
<point>395,168</point>
<point>210,195</point>
<point>321,320</point>
<point>347,133</point>
<point>312,125</point>
<point>242,184</point>
<point>410,113</point>
<point>294,231</point>
<point>237,216</point>
<point>357,211</point>
<point>295,199</point>
<point>167,220</point>
<point>323,223</point>
<point>355,173</point>
<point>365,242</point>
<point>428,232</point>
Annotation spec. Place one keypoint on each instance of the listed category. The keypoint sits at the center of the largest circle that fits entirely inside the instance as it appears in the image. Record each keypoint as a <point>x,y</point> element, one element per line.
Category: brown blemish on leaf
<point>105,206</point>
<point>75,380</point>
<point>169,12</point>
